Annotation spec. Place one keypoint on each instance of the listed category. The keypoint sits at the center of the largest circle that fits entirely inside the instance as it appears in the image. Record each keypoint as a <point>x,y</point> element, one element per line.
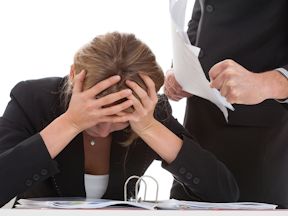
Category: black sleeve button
<point>196,180</point>
<point>188,175</point>
<point>209,8</point>
<point>44,172</point>
<point>28,182</point>
<point>36,177</point>
<point>182,170</point>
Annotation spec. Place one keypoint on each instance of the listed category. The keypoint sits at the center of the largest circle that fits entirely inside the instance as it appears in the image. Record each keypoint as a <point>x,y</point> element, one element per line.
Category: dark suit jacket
<point>254,142</point>
<point>26,169</point>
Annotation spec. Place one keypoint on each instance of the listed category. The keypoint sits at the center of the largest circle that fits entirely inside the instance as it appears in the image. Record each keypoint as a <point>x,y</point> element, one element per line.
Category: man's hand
<point>237,84</point>
<point>172,88</point>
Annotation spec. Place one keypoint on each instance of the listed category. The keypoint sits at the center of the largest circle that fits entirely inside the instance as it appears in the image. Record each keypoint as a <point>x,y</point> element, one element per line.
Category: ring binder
<point>140,178</point>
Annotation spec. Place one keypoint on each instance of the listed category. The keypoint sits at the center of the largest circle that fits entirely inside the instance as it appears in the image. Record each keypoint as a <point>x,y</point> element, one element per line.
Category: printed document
<point>187,68</point>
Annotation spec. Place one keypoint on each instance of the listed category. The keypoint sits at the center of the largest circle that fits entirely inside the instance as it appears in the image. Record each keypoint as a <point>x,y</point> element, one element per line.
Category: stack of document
<point>172,204</point>
<point>177,204</point>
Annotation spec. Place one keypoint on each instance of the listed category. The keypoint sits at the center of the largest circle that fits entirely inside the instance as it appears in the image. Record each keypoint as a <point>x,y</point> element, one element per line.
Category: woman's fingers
<point>112,110</point>
<point>78,81</point>
<point>151,87</point>
<point>138,106</point>
<point>104,84</point>
<point>142,94</point>
<point>116,119</point>
<point>113,97</point>
<point>121,113</point>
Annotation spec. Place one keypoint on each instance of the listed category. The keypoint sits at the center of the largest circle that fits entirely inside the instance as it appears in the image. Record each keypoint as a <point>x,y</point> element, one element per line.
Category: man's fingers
<point>218,68</point>
<point>218,81</point>
<point>176,94</point>
<point>184,94</point>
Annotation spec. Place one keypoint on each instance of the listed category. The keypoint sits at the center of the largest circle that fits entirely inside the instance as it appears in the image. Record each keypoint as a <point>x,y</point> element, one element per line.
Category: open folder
<point>80,203</point>
<point>171,204</point>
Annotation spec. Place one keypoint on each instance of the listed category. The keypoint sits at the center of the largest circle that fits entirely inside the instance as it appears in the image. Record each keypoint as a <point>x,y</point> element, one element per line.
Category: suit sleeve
<point>24,158</point>
<point>202,176</point>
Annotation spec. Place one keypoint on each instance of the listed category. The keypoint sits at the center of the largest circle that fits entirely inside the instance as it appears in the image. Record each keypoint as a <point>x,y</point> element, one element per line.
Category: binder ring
<point>126,183</point>
<point>137,186</point>
<point>137,183</point>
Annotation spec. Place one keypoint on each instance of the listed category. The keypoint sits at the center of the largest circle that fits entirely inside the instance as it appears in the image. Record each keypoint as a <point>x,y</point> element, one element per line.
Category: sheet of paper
<point>177,204</point>
<point>187,68</point>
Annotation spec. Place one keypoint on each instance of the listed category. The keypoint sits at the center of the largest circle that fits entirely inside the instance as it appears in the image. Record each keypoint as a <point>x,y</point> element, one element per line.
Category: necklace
<point>90,139</point>
<point>92,142</point>
<point>99,140</point>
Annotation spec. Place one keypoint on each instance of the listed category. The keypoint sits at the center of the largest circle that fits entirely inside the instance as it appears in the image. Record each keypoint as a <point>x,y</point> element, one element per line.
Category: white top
<point>95,185</point>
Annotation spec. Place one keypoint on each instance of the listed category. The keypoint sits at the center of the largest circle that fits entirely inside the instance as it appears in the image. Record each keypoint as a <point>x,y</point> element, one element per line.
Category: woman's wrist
<point>162,140</point>
<point>63,130</point>
<point>66,119</point>
<point>148,129</point>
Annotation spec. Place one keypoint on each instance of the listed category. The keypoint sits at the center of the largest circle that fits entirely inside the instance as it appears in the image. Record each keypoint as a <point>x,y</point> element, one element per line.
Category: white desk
<point>52,212</point>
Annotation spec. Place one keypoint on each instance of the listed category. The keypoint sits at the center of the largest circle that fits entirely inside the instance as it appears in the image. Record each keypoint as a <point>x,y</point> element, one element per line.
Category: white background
<point>39,38</point>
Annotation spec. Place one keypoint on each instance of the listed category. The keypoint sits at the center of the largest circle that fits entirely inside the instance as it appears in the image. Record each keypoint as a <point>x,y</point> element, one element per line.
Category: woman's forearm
<point>163,141</point>
<point>58,134</point>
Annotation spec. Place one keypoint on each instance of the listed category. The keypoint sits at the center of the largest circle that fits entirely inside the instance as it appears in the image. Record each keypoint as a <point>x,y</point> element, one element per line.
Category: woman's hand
<point>142,118</point>
<point>86,110</point>
<point>159,138</point>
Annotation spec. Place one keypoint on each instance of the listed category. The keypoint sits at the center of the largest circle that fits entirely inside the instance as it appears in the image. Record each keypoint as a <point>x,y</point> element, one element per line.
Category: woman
<point>85,134</point>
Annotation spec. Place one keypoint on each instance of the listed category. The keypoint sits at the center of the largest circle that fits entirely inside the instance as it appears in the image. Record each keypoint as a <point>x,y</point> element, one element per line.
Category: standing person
<point>84,134</point>
<point>244,48</point>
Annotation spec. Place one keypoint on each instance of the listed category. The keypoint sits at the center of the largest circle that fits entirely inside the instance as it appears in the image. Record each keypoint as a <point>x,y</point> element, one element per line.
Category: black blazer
<point>254,142</point>
<point>26,169</point>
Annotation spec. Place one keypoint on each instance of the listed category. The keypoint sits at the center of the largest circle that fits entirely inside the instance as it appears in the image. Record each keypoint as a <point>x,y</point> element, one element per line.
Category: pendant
<point>92,142</point>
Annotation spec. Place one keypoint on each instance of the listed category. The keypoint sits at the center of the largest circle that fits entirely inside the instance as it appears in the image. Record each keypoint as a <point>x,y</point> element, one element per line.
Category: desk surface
<point>99,212</point>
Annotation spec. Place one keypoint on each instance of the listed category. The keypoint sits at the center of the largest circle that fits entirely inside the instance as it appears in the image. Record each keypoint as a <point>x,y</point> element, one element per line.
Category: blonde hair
<point>117,54</point>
